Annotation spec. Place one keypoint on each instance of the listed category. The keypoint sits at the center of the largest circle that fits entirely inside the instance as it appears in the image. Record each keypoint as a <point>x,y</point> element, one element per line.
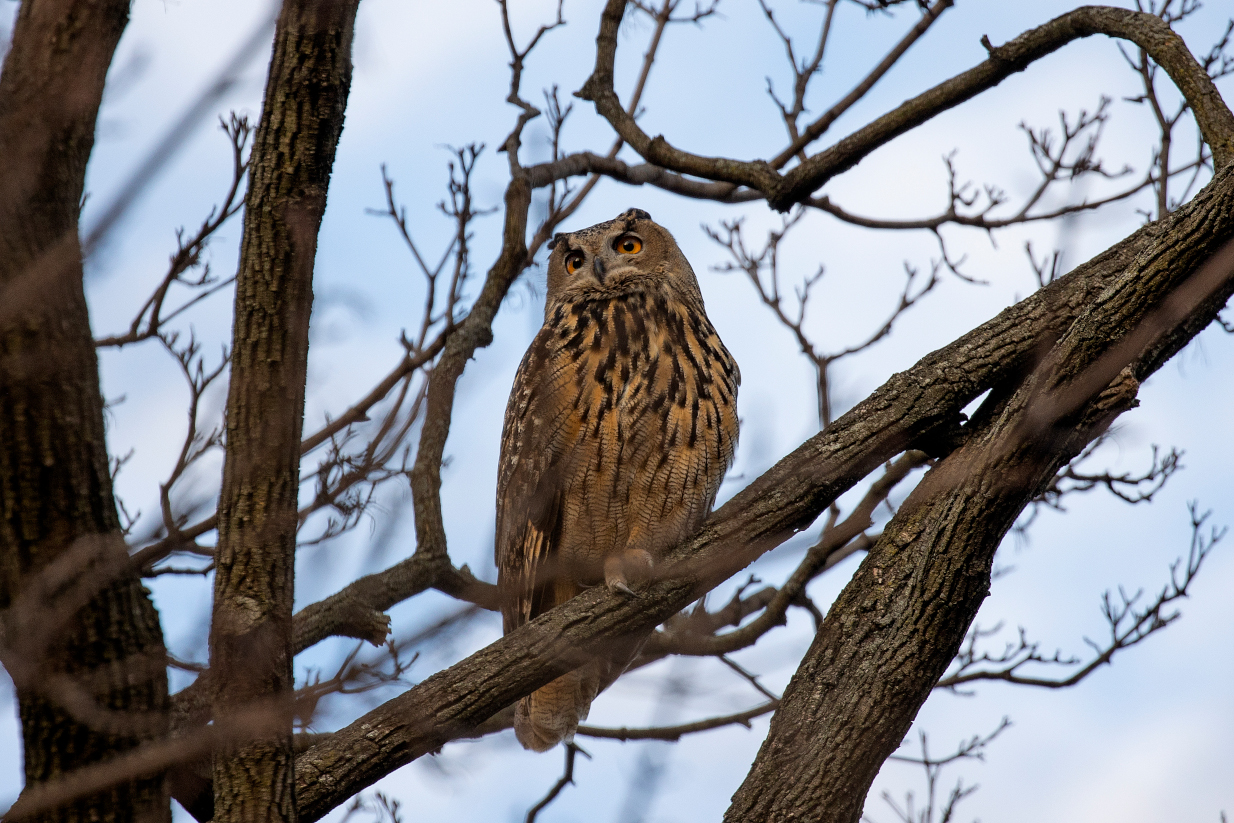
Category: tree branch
<point>782,191</point>
<point>819,127</point>
<point>250,632</point>
<point>1129,624</point>
<point>675,733</point>
<point>900,621</point>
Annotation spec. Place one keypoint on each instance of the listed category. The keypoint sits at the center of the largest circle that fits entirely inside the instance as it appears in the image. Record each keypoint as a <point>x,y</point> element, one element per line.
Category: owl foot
<point>631,566</point>
<point>619,586</point>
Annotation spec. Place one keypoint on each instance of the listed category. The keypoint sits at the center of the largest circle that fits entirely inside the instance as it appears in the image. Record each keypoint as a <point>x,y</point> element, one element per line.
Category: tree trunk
<point>82,638</point>
<point>250,637</point>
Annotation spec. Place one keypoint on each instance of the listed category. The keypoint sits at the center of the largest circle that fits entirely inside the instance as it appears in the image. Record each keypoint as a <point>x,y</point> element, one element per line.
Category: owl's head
<point>628,253</point>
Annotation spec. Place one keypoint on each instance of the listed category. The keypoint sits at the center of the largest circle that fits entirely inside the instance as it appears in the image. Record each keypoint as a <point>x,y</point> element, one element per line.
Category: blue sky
<point>1147,739</point>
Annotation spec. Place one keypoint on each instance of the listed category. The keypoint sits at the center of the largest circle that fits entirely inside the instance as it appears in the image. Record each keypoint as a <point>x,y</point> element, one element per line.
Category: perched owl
<point>620,426</point>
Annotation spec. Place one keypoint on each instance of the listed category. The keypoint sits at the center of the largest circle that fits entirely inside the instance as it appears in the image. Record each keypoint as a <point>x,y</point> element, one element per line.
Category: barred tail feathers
<point>551,713</point>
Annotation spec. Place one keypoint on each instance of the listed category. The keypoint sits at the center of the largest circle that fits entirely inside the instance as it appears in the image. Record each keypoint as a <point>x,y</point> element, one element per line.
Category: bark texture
<point>82,638</point>
<point>900,621</point>
<point>250,637</point>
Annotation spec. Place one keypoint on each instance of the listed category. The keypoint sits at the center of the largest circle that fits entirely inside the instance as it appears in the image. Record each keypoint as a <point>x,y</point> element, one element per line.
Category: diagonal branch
<point>150,318</point>
<point>1145,30</point>
<point>816,129</point>
<point>900,621</point>
<point>1128,622</point>
<point>567,779</point>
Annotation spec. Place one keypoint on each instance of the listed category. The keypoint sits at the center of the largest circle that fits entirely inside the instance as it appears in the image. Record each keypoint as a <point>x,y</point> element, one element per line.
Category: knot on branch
<point>360,620</point>
<point>782,195</point>
<point>768,179</point>
<point>590,89</point>
<point>999,54</point>
<point>1116,398</point>
<point>659,151</point>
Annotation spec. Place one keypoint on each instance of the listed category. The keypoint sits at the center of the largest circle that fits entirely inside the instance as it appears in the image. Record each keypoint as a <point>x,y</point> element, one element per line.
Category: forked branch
<point>1129,623</point>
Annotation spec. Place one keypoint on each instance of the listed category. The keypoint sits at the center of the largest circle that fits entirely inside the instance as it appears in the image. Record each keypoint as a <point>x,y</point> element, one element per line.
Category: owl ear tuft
<point>554,240</point>
<point>636,214</point>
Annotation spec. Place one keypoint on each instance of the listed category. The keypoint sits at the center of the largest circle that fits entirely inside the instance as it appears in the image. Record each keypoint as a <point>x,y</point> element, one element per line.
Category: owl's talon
<point>620,587</point>
<point>631,566</point>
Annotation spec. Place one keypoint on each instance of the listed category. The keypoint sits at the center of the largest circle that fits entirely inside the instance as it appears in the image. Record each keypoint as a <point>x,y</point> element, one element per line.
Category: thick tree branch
<point>899,623</point>
<point>356,610</point>
<point>250,632</point>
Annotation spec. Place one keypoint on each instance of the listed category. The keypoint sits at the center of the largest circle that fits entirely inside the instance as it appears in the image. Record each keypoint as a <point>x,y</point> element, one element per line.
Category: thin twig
<point>566,779</point>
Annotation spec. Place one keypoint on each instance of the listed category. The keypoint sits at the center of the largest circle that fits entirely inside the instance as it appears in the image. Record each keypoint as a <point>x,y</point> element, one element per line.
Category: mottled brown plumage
<point>620,426</point>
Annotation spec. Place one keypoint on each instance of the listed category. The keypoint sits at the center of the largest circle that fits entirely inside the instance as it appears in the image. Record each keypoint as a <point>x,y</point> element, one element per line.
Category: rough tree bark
<point>900,621</point>
<point>82,638</point>
<point>250,636</point>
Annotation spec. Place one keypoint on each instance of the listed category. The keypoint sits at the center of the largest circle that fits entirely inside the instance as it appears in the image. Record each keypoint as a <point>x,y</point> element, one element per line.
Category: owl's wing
<point>536,438</point>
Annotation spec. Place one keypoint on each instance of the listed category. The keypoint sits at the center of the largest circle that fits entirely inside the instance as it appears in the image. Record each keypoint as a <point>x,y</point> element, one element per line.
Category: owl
<point>620,426</point>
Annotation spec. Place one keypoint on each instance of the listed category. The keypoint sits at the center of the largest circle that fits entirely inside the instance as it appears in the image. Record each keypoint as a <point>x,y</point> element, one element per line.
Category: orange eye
<point>574,262</point>
<point>628,244</point>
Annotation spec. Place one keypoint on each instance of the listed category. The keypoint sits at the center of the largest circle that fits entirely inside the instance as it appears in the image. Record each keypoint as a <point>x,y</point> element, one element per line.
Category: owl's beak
<point>597,265</point>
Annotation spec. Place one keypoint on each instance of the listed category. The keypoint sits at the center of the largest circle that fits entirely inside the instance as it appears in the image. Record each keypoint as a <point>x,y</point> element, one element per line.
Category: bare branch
<point>1129,624</point>
<point>675,733</point>
<point>835,544</point>
<point>150,319</point>
<point>971,749</point>
<point>517,56</point>
<point>767,286</point>
<point>202,107</point>
<point>567,778</point>
<point>697,16</point>
<point>820,126</point>
<point>147,556</point>
<point>560,211</point>
<point>383,808</point>
<point>782,191</point>
<point>352,677</point>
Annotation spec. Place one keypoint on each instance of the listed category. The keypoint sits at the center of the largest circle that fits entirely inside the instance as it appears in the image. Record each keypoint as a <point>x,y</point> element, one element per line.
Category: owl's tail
<point>552,713</point>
